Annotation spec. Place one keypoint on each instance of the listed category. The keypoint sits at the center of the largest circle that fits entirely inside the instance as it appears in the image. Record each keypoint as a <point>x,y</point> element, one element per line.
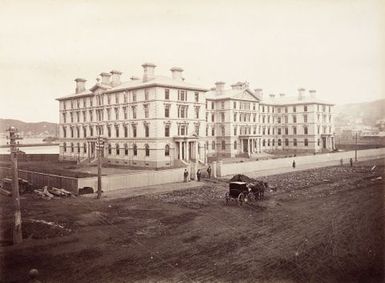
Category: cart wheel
<point>227,198</point>
<point>241,198</point>
<point>251,197</point>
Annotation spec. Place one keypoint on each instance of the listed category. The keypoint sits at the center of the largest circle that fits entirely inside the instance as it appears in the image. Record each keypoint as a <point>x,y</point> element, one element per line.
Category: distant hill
<point>27,128</point>
<point>366,113</point>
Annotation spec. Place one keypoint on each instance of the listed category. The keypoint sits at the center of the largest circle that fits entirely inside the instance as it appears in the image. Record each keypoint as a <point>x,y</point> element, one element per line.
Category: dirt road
<point>321,225</point>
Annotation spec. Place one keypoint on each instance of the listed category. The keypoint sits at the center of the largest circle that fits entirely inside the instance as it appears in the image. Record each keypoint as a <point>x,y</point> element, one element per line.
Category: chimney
<point>176,73</point>
<point>312,93</point>
<point>105,78</point>
<point>80,85</point>
<point>133,78</point>
<point>259,92</point>
<point>148,71</point>
<point>219,87</point>
<point>281,95</point>
<point>115,78</point>
<point>301,93</point>
<point>272,96</point>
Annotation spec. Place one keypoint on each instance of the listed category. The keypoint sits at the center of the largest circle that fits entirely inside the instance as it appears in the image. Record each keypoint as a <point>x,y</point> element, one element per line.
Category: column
<point>88,151</point>
<point>196,152</point>
<point>180,150</point>
<point>187,151</point>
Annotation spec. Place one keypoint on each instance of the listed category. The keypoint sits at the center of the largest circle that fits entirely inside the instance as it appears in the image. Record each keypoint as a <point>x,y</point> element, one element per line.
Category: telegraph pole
<point>355,153</point>
<point>100,146</point>
<point>17,233</point>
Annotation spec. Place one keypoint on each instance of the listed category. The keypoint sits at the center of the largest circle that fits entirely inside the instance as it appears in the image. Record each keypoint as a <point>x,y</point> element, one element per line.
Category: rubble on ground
<point>51,192</point>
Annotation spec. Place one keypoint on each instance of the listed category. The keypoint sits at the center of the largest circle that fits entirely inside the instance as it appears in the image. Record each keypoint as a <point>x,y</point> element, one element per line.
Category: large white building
<point>158,121</point>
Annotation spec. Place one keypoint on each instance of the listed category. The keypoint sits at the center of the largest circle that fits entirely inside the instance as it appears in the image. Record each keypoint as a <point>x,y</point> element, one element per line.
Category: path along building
<point>158,121</point>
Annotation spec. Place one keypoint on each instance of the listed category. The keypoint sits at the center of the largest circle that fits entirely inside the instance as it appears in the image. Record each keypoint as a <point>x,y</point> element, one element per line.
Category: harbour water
<point>47,149</point>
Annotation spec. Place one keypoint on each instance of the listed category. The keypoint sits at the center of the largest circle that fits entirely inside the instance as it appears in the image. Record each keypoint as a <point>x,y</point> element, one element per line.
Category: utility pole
<point>17,233</point>
<point>100,145</point>
<point>355,153</point>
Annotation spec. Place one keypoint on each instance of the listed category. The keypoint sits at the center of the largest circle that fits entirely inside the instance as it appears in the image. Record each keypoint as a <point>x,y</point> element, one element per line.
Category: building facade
<point>157,121</point>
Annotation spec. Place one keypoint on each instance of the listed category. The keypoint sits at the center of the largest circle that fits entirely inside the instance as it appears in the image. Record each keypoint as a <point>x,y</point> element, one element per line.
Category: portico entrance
<point>187,148</point>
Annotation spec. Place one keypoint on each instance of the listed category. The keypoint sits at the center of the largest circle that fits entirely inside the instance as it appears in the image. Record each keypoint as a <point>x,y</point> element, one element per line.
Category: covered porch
<point>187,149</point>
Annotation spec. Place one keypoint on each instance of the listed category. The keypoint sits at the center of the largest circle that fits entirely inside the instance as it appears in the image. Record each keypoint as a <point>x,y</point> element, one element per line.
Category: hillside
<point>31,129</point>
<point>366,113</point>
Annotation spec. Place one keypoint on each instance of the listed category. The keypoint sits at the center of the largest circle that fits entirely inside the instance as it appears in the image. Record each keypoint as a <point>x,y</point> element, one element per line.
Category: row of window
<point>73,148</point>
<point>108,99</point>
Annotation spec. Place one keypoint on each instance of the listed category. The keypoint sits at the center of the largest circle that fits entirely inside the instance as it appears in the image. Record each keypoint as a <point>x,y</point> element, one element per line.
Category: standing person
<point>293,164</point>
<point>351,162</point>
<point>209,171</point>
<point>199,175</point>
<point>185,175</point>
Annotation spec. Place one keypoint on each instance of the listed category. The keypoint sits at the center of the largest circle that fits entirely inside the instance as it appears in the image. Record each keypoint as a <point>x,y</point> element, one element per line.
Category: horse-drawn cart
<point>245,191</point>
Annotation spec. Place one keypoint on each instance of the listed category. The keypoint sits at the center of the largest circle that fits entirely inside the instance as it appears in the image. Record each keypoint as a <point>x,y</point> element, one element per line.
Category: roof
<point>285,100</point>
<point>136,84</point>
<point>232,94</point>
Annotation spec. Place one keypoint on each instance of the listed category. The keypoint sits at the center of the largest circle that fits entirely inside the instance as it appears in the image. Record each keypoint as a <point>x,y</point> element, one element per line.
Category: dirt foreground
<point>321,225</point>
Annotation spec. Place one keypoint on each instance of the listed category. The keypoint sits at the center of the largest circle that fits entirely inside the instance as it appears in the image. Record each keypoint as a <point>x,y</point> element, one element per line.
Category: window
<point>235,144</point>
<point>197,129</point>
<point>235,131</point>
<point>318,129</point>
<point>167,130</point>
<point>146,94</point>
<point>294,119</point>
<point>273,141</point>
<point>286,109</point>
<point>167,110</point>
<point>147,149</point>
<point>306,142</point>
<point>197,112</point>
<point>146,131</point>
<point>109,149</point>
<point>116,113</point>
<point>134,131</point>
<point>305,118</point>
<point>84,115</point>
<point>134,112</point>
<point>294,130</point>
<point>286,119</point>
<point>294,109</point>
<point>223,131</point>
<point>125,149</point>
<point>125,113</point>
<point>167,150</point>
<point>305,108</point>
<point>117,149</point>
<point>145,106</point>
<point>286,142</point>
<point>235,117</point>
<point>135,149</point>
<point>125,98</point>
<point>91,131</point>
<point>166,94</point>
<point>263,143</point>
<point>116,98</point>
<point>318,142</point>
<point>134,95</point>
<point>212,131</point>
<point>91,102</point>
<point>182,95</point>
<point>212,105</point>
<point>72,132</point>
<point>279,131</point>
<point>279,142</point>
<point>222,117</point>
<point>84,131</point>
<point>213,145</point>
<point>91,116</point>
<point>323,108</point>
<point>295,142</point>
<point>223,145</point>
<point>125,131</point>
<point>305,130</point>
<point>223,105</point>
<point>235,105</point>
<point>108,114</point>
<point>117,131</point>
<point>212,117</point>
<point>268,142</point>
<point>286,131</point>
<point>64,118</point>
<point>64,132</point>
<point>72,147</point>
<point>196,96</point>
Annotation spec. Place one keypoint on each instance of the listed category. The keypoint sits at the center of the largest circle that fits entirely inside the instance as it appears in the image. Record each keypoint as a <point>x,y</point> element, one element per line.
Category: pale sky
<point>333,46</point>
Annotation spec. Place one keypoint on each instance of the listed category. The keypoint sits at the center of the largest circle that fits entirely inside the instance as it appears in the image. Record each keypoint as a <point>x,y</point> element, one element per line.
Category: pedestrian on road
<point>185,175</point>
<point>293,164</point>
<point>341,161</point>
<point>351,162</point>
<point>209,171</point>
<point>199,175</point>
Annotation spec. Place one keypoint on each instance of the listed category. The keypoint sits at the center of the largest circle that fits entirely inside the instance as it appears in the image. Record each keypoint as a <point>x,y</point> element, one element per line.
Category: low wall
<point>31,157</point>
<point>40,180</point>
<point>140,179</point>
<point>255,166</point>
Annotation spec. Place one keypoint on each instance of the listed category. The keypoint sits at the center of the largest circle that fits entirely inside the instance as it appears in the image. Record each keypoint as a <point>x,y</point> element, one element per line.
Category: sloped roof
<point>285,100</point>
<point>135,84</point>
<point>230,94</point>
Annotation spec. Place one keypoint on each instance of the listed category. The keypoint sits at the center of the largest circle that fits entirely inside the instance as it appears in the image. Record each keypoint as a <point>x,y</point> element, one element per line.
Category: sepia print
<point>192,141</point>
